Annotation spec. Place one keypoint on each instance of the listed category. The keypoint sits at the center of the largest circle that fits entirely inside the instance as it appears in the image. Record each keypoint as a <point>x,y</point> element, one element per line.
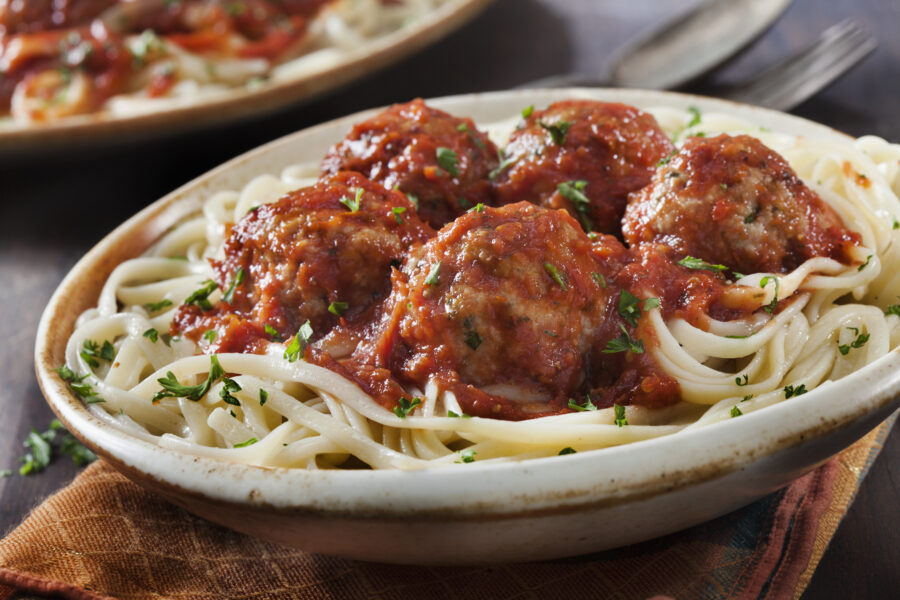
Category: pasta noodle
<point>834,319</point>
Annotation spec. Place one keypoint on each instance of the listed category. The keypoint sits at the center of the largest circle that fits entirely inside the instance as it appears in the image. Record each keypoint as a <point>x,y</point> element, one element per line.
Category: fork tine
<point>789,82</point>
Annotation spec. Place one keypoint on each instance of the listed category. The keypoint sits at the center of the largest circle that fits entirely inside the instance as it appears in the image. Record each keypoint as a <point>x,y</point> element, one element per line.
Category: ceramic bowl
<point>535,509</point>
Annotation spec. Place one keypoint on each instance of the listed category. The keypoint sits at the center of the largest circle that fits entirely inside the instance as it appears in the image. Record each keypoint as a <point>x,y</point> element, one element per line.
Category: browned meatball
<point>584,156</point>
<point>441,161</point>
<point>734,201</point>
<point>505,299</point>
<point>29,16</point>
<point>315,249</point>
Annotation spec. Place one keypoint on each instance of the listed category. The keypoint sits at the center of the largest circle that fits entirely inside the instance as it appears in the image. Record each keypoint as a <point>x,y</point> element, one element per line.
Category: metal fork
<point>789,82</point>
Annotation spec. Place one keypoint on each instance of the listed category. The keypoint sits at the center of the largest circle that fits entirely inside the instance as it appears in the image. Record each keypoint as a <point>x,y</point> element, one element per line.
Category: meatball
<point>508,300</point>
<point>583,156</point>
<point>734,201</point>
<point>40,15</point>
<point>319,253</point>
<point>440,161</point>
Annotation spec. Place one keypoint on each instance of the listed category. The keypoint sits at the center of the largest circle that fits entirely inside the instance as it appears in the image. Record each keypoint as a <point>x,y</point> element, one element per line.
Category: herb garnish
<point>467,455</point>
<point>621,421</point>
<point>790,390</point>
<point>859,342</point>
<point>173,389</point>
<point>298,345</point>
<point>91,351</point>
<point>353,205</point>
<point>236,281</point>
<point>414,200</point>
<point>338,308</point>
<point>151,334</point>
<point>477,208</point>
<point>228,386</point>
<point>201,297</point>
<point>893,309</point>
<point>567,450</point>
<point>505,163</point>
<point>41,450</point>
<point>210,335</point>
<point>865,264</point>
<point>433,274</point>
<point>557,275</point>
<point>453,414</point>
<point>263,397</point>
<point>587,406</point>
<point>83,390</point>
<point>249,442</point>
<point>405,406</point>
<point>699,264</point>
<point>557,131</point>
<point>473,340</point>
<point>155,306</point>
<point>742,380</point>
<point>735,411</point>
<point>771,306</point>
<point>526,112</point>
<point>695,116</point>
<point>624,343</point>
<point>599,279</point>
<point>573,191</point>
<point>448,160</point>
<point>273,333</point>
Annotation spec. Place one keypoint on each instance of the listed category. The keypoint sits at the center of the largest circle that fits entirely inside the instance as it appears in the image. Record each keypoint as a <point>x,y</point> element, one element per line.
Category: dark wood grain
<point>54,208</point>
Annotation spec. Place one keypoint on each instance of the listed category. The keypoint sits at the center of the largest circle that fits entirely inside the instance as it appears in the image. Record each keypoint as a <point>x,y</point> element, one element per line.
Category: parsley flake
<point>791,391</point>
<point>151,334</point>
<point>235,282</point>
<point>273,333</point>
<point>587,406</point>
<point>628,307</point>
<point>448,160</point>
<point>228,386</point>
<point>263,397</point>
<point>567,450</point>
<point>599,279</point>
<point>91,351</point>
<point>453,414</point>
<point>173,389</point>
<point>771,306</point>
<point>201,297</point>
<point>405,406</point>
<point>353,205</point>
<point>338,308</point>
<point>505,163</point>
<point>865,264</point>
<point>735,412</point>
<point>621,421</point>
<point>624,343</point>
<point>742,380</point>
<point>398,214</point>
<point>210,335</point>
<point>473,340</point>
<point>478,208</point>
<point>249,442</point>
<point>573,191</point>
<point>157,306</point>
<point>433,274</point>
<point>467,456</point>
<point>695,116</point>
<point>893,309</point>
<point>557,131</point>
<point>701,265</point>
<point>298,345</point>
<point>859,342</point>
<point>557,275</point>
<point>527,111</point>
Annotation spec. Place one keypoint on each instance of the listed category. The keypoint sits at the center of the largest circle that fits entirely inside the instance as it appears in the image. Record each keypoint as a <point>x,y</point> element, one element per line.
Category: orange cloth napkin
<point>105,537</point>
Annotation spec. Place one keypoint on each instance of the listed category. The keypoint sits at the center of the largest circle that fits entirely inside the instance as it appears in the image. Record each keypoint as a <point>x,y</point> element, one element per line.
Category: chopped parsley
<point>701,265</point>
<point>433,274</point>
<point>791,391</point>
<point>228,386</point>
<point>338,308</point>
<point>398,214</point>
<point>743,380</point>
<point>210,335</point>
<point>557,131</point>
<point>573,191</point>
<point>453,414</point>
<point>751,216</point>
<point>896,224</point>
<point>479,208</point>
<point>263,397</point>
<point>91,351</point>
<point>414,200</point>
<point>650,303</point>
<point>156,306</point>
<point>405,406</point>
<point>621,421</point>
<point>556,275</point>
<point>84,391</point>
<point>353,205</point>
<point>273,333</point>
<point>771,306</point>
<point>527,111</point>
<point>567,450</point>
<point>735,411</point>
<point>599,279</point>
<point>462,127</point>
<point>249,442</point>
<point>628,307</point>
<point>747,397</point>
<point>448,160</point>
<point>665,159</point>
<point>859,342</point>
<point>505,163</point>
<point>40,450</point>
<point>624,343</point>
<point>473,340</point>
<point>467,456</point>
<point>695,116</point>
<point>865,264</point>
<point>587,406</point>
<point>173,389</point>
<point>151,334</point>
<point>235,282</point>
<point>893,309</point>
<point>298,345</point>
<point>201,297</point>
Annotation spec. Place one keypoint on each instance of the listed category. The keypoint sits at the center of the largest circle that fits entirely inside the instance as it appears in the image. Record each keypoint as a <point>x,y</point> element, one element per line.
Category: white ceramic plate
<point>243,102</point>
<point>537,509</point>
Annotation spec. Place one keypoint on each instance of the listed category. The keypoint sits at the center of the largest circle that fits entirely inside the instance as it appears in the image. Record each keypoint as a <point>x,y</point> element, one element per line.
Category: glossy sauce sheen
<point>515,308</point>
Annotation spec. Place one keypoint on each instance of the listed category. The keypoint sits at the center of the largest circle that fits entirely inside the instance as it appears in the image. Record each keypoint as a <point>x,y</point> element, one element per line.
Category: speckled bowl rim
<point>92,130</point>
<point>473,491</point>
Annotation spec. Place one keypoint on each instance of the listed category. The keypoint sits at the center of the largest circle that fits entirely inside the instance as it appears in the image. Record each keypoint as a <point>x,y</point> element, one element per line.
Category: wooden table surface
<point>54,208</point>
